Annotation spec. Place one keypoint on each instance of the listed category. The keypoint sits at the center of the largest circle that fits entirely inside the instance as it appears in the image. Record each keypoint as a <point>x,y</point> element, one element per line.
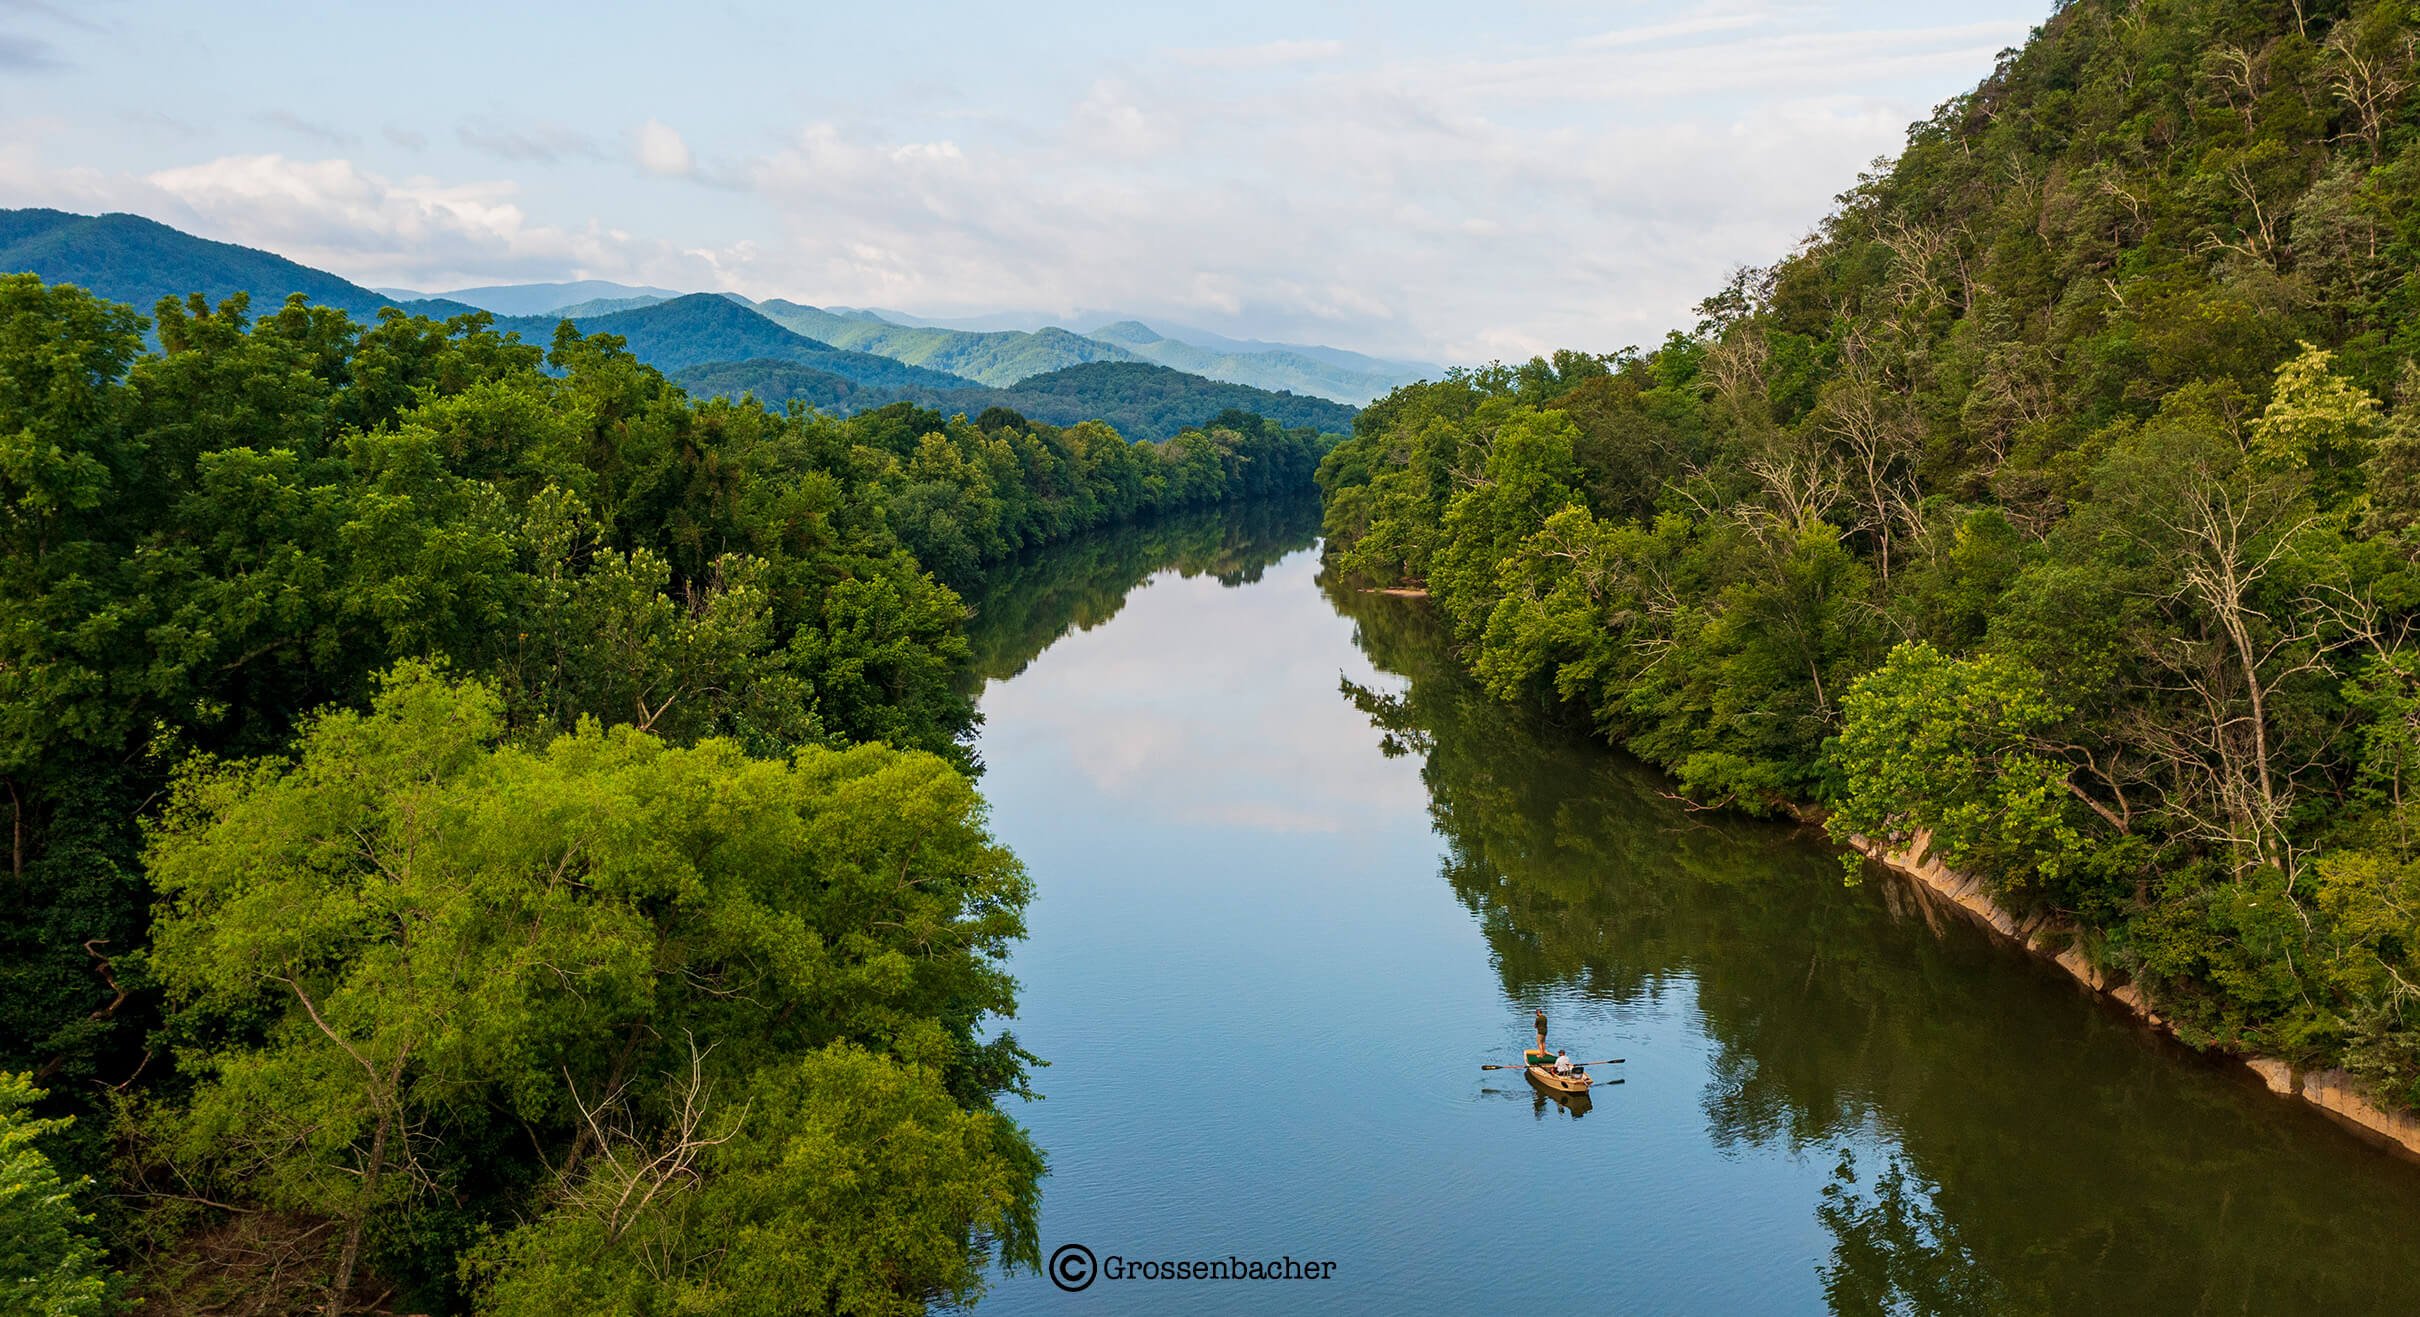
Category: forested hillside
<point>2060,497</point>
<point>708,327</point>
<point>448,783</point>
<point>1142,401</point>
<point>998,358</point>
<point>127,258</point>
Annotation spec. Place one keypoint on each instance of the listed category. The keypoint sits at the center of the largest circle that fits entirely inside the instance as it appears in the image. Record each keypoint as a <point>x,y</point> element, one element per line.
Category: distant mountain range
<point>708,327</point>
<point>1268,367</point>
<point>840,361</point>
<point>541,299</point>
<point>1002,349</point>
<point>1139,399</point>
<point>1000,358</point>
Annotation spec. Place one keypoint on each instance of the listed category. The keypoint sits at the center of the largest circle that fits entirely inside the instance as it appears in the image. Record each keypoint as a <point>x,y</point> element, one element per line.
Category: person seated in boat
<point>1563,1064</point>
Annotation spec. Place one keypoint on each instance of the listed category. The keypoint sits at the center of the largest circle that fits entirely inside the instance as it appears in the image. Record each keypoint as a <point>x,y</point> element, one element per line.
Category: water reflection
<point>1275,931</point>
<point>1895,1252</point>
<point>1574,1105</point>
<point>2032,1151</point>
<point>1026,606</point>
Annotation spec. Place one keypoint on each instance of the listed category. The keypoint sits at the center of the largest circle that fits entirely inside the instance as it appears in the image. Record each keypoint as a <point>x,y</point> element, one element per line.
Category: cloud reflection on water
<point>1251,753</point>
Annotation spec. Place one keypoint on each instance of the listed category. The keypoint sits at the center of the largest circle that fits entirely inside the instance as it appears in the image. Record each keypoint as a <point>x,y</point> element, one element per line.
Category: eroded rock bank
<point>2332,1091</point>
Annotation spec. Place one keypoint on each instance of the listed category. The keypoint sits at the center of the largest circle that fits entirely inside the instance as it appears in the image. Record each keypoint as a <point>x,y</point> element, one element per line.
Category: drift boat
<point>1542,1073</point>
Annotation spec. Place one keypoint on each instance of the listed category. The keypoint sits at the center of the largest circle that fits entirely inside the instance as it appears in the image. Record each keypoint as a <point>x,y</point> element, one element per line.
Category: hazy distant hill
<point>996,358</point>
<point>708,327</point>
<point>127,258</point>
<point>554,299</point>
<point>1141,400</point>
<point>1004,356</point>
<point>1267,366</point>
<point>604,306</point>
<point>1359,362</point>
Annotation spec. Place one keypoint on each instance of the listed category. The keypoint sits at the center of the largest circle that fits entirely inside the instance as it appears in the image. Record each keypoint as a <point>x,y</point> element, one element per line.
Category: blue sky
<point>1449,181</point>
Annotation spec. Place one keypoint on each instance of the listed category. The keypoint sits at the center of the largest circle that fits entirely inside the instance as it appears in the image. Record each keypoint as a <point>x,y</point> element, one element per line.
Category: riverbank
<point>2332,1091</point>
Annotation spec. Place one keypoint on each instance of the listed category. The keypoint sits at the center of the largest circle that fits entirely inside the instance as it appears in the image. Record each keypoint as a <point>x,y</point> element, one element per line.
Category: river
<point>1298,879</point>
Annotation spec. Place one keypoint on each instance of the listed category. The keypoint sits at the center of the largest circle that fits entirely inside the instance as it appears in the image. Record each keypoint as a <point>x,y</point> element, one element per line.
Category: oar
<point>1550,1065</point>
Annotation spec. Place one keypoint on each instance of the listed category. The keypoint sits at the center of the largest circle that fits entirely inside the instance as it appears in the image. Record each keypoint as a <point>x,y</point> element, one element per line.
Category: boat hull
<point>1545,1077</point>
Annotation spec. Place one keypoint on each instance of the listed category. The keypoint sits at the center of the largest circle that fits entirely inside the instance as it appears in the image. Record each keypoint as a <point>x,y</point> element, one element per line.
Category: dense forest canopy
<point>2057,498</point>
<point>486,827</point>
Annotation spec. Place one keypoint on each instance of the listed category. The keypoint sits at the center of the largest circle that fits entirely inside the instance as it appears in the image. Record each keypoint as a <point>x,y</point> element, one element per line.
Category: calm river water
<point>1298,879</point>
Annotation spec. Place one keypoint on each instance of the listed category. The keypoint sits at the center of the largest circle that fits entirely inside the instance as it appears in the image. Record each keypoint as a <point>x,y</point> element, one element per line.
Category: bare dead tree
<point>2239,77</point>
<point>632,1168</point>
<point>2371,83</point>
<point>1802,483</point>
<point>2258,242</point>
<point>1736,364</point>
<point>2224,774</point>
<point>1875,437</point>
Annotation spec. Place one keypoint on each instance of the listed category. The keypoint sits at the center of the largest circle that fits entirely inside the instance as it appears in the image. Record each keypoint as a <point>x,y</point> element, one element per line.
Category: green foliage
<point>612,950</point>
<point>1951,747</point>
<point>2317,422</point>
<point>845,1183</point>
<point>670,622</point>
<point>50,1265</point>
<point>2056,499</point>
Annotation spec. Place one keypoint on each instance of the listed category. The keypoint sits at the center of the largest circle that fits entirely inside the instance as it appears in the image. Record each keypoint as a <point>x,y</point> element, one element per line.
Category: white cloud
<point>661,150</point>
<point>1581,190</point>
<point>1110,121</point>
<point>1583,195</point>
<point>337,216</point>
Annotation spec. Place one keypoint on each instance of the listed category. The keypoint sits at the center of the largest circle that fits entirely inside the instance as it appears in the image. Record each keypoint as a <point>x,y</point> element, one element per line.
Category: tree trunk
<point>349,1259</point>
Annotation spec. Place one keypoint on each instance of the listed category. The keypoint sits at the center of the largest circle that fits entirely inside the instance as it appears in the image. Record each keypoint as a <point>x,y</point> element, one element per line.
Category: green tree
<point>844,1182</point>
<point>413,933</point>
<point>50,1265</point>
<point>2319,422</point>
<point>1954,748</point>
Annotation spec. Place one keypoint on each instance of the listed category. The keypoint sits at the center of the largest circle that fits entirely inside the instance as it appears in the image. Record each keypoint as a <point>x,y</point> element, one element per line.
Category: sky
<point>1445,182</point>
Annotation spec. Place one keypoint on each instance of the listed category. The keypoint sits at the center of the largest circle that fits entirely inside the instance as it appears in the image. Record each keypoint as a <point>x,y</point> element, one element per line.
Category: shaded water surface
<point>1298,879</point>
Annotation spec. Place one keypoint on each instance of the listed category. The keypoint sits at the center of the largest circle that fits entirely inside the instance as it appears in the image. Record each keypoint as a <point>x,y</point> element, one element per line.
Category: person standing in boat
<point>1541,1030</point>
